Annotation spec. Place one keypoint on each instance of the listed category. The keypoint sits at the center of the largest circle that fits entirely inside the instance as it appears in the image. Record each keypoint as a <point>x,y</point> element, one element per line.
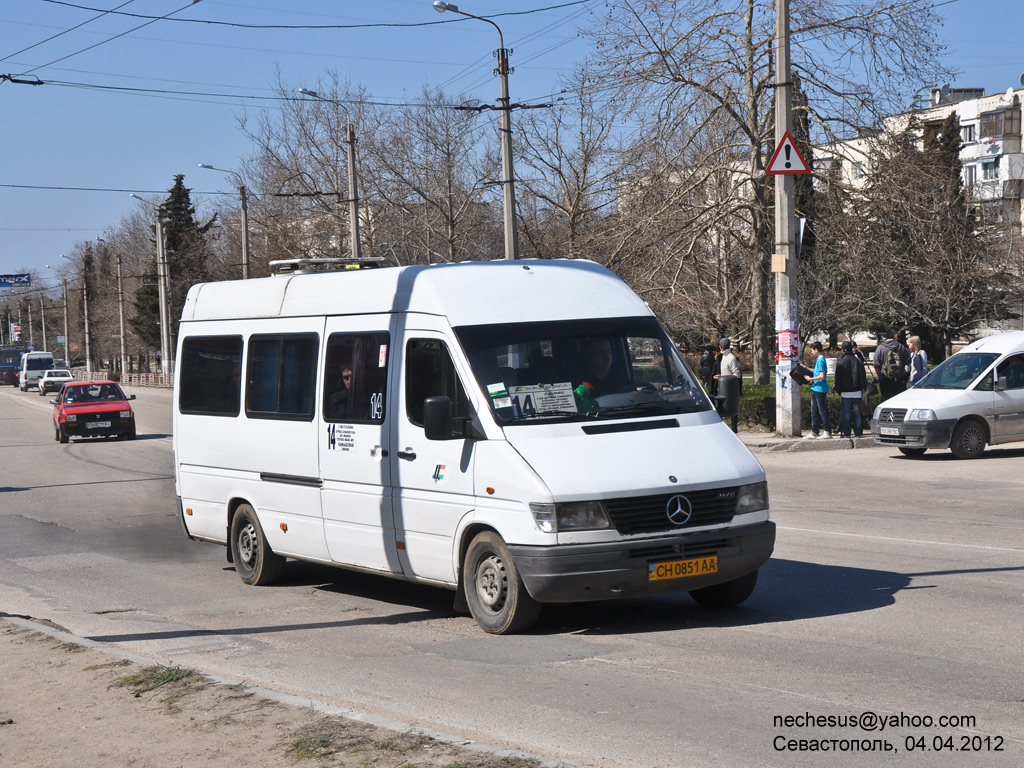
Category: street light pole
<point>162,280</point>
<point>350,155</point>
<point>245,216</point>
<point>507,183</point>
<point>120,308</point>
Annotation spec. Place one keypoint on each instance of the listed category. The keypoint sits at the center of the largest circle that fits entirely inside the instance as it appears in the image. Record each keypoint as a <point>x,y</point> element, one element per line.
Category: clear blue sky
<point>74,136</point>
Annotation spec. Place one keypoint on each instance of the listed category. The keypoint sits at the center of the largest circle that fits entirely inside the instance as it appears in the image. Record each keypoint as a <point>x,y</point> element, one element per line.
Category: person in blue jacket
<point>821,426</point>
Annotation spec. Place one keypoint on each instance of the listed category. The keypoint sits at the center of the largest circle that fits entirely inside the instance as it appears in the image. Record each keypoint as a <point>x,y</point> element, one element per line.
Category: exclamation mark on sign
<point>788,149</point>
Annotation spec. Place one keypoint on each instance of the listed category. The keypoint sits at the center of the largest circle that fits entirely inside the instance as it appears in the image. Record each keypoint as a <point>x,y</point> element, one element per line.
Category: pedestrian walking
<point>730,366</point>
<point>821,425</point>
<point>918,360</point>
<point>891,362</point>
<point>850,383</point>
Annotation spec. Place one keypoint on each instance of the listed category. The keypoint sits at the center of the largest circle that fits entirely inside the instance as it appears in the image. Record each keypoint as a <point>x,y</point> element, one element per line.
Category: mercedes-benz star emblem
<point>679,510</point>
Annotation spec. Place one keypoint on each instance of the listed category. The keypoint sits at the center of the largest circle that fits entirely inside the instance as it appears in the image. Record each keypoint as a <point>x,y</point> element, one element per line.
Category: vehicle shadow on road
<point>991,453</point>
<point>787,590</point>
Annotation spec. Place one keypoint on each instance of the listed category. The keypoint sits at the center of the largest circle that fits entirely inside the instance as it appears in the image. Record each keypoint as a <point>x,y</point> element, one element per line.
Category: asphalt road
<point>895,590</point>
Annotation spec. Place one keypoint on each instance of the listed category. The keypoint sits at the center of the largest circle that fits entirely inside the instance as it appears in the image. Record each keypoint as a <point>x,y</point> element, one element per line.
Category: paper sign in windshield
<point>543,398</point>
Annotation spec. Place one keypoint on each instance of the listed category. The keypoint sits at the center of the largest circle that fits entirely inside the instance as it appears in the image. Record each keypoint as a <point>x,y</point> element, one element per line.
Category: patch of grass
<point>153,677</point>
<point>309,747</point>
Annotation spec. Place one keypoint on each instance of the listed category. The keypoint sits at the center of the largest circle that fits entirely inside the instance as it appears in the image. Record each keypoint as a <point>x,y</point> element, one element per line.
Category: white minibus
<point>522,432</point>
<point>33,366</point>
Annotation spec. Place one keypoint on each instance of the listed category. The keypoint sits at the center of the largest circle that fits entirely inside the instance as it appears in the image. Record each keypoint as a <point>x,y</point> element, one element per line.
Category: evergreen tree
<point>187,252</point>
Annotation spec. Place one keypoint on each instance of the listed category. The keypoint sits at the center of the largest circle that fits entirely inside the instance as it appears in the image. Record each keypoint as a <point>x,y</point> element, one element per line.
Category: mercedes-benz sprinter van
<point>522,432</point>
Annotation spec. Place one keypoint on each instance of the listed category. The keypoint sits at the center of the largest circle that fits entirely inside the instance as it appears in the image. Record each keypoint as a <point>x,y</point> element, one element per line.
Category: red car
<point>92,409</point>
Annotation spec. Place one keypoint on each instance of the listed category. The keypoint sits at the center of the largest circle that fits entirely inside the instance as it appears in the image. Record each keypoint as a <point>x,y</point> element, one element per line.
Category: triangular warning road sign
<point>787,158</point>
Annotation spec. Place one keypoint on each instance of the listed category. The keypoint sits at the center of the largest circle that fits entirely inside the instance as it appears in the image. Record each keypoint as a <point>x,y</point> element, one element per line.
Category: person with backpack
<point>892,365</point>
<point>850,384</point>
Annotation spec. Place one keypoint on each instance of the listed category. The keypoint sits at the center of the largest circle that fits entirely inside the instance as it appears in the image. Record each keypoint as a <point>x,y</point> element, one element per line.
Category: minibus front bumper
<point>579,572</point>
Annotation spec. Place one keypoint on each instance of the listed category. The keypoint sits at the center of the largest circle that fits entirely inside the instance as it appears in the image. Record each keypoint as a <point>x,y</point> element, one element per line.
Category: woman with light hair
<point>918,360</point>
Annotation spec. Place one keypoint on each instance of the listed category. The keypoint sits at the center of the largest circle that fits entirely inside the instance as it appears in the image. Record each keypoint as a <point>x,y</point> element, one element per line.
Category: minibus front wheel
<point>254,560</point>
<point>495,592</point>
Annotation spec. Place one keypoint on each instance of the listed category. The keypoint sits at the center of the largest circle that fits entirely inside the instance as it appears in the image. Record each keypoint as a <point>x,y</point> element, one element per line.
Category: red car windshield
<point>91,393</point>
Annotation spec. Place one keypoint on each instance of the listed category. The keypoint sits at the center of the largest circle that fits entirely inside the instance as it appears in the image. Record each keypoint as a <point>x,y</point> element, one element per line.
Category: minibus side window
<point>355,377</point>
<point>429,372</point>
<point>281,376</point>
<point>210,375</point>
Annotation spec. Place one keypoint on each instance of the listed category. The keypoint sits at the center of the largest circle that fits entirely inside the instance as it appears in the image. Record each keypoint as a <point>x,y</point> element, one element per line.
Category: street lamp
<point>353,198</point>
<point>162,280</point>
<point>503,71</point>
<point>245,217</point>
<point>120,308</point>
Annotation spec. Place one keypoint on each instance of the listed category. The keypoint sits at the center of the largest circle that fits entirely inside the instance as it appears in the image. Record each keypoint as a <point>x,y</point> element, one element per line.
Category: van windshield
<point>958,371</point>
<point>580,369</point>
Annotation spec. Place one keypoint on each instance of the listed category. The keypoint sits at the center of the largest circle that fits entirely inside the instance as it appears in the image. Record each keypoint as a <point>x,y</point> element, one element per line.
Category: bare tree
<point>708,63</point>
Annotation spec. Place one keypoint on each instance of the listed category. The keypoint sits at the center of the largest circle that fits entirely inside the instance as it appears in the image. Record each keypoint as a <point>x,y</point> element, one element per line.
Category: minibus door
<point>433,478</point>
<point>354,414</point>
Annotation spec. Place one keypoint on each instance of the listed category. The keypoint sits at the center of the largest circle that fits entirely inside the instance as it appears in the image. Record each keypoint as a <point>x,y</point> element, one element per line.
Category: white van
<point>522,432</point>
<point>972,399</point>
<point>33,366</point>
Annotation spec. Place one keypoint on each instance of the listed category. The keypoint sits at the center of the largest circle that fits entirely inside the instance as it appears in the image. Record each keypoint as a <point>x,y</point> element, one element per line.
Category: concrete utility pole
<point>67,341</point>
<point>507,179</point>
<point>85,310</point>
<point>787,393</point>
<point>42,320</point>
<point>161,278</point>
<point>245,232</point>
<point>353,198</point>
<point>120,308</point>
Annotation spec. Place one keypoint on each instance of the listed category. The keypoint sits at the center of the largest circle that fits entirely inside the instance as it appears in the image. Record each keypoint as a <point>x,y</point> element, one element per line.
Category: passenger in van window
<point>339,403</point>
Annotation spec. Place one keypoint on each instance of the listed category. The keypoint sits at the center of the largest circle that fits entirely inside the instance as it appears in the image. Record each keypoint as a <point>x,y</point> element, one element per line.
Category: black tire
<point>968,439</point>
<point>254,560</point>
<point>56,433</point>
<point>130,434</point>
<point>494,589</point>
<point>913,451</point>
<point>728,593</point>
<point>62,434</point>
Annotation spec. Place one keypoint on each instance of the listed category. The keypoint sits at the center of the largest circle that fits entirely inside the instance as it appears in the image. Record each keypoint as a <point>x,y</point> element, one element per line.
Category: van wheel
<point>495,592</point>
<point>62,434</point>
<point>728,593</point>
<point>968,440</point>
<point>254,560</point>
<point>913,451</point>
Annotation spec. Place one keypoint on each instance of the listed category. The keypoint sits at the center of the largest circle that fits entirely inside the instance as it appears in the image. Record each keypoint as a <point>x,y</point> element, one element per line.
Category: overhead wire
<point>66,31</point>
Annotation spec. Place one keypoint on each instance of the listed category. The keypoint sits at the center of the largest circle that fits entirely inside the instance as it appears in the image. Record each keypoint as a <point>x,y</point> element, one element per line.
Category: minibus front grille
<point>649,514</point>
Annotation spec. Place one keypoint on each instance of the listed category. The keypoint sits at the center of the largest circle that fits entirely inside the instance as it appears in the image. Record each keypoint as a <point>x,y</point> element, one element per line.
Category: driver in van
<point>598,377</point>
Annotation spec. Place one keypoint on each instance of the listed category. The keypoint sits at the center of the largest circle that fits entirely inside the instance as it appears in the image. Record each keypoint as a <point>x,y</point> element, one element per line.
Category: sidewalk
<point>759,441</point>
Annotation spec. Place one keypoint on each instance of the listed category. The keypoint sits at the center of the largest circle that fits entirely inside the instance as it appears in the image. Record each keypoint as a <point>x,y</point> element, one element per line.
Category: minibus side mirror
<point>1002,384</point>
<point>437,418</point>
<point>727,401</point>
<point>131,397</point>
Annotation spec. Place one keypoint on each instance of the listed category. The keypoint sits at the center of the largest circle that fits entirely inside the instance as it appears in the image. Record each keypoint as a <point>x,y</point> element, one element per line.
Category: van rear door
<point>354,414</point>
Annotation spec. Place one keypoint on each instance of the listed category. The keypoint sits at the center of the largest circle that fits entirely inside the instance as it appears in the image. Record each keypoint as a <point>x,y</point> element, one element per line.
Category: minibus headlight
<point>72,417</point>
<point>570,516</point>
<point>752,498</point>
<point>126,414</point>
<point>921,414</point>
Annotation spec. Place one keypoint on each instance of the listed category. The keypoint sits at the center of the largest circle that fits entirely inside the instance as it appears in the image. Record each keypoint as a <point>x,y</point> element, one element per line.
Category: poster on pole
<point>787,158</point>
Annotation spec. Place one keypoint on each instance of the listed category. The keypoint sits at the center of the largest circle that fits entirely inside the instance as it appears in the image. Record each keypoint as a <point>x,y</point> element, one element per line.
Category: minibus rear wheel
<point>728,593</point>
<point>495,592</point>
<point>254,560</point>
